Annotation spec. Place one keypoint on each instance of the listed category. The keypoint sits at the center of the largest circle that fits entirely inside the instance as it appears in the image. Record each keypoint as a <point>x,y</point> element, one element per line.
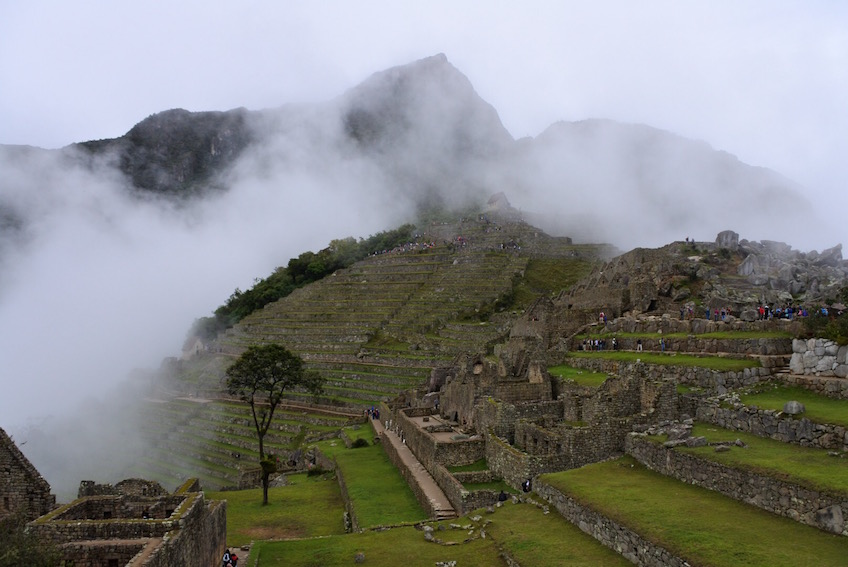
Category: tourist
<point>227,559</point>
<point>639,345</point>
<point>525,486</point>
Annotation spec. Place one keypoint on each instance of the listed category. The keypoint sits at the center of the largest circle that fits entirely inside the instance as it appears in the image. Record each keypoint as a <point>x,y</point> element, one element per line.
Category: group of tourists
<point>230,559</point>
<point>372,413</point>
<point>786,312</point>
<point>597,344</point>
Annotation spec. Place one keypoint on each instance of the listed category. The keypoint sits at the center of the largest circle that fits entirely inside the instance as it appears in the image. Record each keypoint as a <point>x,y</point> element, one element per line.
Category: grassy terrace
<point>579,376</point>
<point>721,363</point>
<point>727,335</point>
<point>805,466</point>
<point>522,531</point>
<point>703,527</point>
<point>379,495</point>
<point>819,409</point>
<point>303,508</point>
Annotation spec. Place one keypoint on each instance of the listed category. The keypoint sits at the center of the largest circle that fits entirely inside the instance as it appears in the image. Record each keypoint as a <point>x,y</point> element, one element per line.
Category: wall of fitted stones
<point>805,505</point>
<point>199,542</point>
<point>409,476</point>
<point>696,343</point>
<point>711,380</point>
<point>509,463</point>
<point>831,387</point>
<point>462,500</point>
<point>767,423</point>
<point>562,448</point>
<point>501,417</point>
<point>22,488</point>
<point>429,451</point>
<point>194,535</point>
<point>103,555</point>
<point>700,326</point>
<point>614,536</point>
<point>819,357</point>
<point>351,511</point>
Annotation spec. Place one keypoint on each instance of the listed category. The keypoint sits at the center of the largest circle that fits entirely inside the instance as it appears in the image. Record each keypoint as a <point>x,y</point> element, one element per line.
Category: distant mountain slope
<point>419,134</point>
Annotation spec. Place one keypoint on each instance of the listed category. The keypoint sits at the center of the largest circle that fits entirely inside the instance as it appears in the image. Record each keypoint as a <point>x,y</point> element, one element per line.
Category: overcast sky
<point>765,80</point>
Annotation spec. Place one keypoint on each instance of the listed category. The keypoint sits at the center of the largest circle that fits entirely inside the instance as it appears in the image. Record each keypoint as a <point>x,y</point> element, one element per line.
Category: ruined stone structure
<point>508,410</point>
<point>22,489</point>
<point>137,523</point>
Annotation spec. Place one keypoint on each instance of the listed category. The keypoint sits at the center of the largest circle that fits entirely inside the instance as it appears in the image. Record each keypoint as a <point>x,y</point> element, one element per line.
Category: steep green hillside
<point>380,326</point>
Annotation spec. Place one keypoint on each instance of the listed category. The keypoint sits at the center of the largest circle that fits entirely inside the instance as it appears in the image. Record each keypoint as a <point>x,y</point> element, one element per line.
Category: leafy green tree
<point>260,377</point>
<point>18,546</point>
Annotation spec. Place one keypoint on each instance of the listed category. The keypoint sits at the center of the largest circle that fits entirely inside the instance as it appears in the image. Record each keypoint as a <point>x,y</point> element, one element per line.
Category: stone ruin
<point>133,523</point>
<point>137,523</point>
<point>22,489</point>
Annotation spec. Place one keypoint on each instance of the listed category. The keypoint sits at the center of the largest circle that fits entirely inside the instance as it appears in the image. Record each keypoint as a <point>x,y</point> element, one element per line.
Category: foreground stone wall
<point>774,425</point>
<point>827,512</point>
<point>200,540</point>
<point>629,544</point>
<point>193,535</point>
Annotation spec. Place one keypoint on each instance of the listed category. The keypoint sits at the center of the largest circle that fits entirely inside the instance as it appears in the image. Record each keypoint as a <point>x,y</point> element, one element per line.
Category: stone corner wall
<point>198,542</point>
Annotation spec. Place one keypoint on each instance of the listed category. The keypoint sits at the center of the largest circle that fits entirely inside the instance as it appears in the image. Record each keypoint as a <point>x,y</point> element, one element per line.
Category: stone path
<point>439,502</point>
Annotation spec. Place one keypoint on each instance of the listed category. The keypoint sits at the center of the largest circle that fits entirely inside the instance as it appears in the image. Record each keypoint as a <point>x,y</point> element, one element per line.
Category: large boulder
<point>749,266</point>
<point>830,257</point>
<point>728,239</point>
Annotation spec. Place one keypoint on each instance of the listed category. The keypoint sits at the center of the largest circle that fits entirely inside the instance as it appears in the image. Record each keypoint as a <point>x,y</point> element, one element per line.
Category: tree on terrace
<point>260,377</point>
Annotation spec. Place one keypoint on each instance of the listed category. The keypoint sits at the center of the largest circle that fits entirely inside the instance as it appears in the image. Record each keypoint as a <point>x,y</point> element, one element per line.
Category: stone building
<point>22,489</point>
<point>137,523</point>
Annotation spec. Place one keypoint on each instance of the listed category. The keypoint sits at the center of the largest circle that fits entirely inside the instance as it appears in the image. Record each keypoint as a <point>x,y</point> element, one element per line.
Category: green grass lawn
<point>390,548</point>
<point>807,466</point>
<point>378,493</point>
<point>819,409</point>
<point>579,375</point>
<point>720,363</point>
<point>536,539</point>
<point>307,507</point>
<point>524,531</point>
<point>703,527</point>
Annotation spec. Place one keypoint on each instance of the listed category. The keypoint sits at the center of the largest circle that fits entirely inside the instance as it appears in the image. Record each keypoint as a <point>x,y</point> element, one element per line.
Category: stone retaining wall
<point>711,380</point>
<point>774,425</point>
<point>831,387</point>
<point>819,357</point>
<point>827,512</point>
<point>629,544</point>
<point>409,476</point>
<point>462,500</point>
<point>698,325</point>
<point>351,512</point>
